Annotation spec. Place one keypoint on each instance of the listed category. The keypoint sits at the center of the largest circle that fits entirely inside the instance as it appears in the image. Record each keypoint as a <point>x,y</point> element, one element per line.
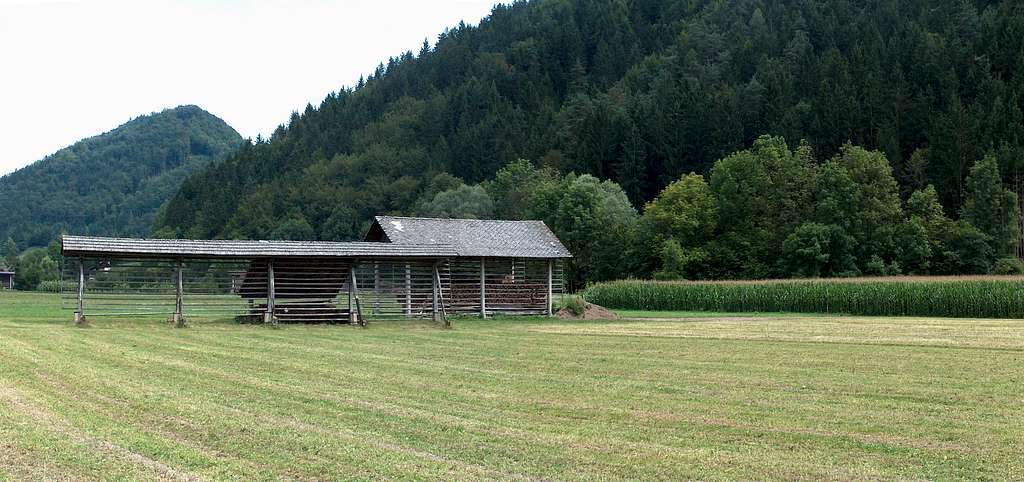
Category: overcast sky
<point>74,69</point>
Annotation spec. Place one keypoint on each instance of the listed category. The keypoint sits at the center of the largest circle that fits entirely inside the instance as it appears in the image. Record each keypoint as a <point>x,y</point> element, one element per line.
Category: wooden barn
<point>502,266</point>
<point>6,277</point>
<point>405,268</point>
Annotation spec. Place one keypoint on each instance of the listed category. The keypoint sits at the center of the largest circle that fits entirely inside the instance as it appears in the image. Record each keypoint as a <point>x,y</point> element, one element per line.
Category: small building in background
<point>6,277</point>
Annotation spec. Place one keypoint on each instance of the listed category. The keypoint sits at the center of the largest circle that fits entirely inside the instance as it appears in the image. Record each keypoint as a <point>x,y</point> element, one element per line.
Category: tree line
<point>768,211</point>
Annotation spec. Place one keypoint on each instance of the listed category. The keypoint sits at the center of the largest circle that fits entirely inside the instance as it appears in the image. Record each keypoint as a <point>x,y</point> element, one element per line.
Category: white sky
<point>74,69</point>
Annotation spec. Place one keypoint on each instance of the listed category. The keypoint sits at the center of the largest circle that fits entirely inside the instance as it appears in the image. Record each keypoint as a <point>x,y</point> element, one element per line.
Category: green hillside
<point>114,183</point>
<point>637,92</point>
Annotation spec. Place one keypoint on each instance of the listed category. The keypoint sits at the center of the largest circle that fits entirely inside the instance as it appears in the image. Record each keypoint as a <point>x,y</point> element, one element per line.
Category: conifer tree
<point>991,208</point>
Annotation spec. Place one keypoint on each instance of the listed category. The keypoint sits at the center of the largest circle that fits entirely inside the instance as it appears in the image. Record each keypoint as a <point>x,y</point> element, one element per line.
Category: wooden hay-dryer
<point>405,268</point>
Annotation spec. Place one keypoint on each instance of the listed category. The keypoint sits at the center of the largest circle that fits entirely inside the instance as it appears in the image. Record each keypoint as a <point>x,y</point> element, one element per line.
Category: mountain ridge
<point>114,182</point>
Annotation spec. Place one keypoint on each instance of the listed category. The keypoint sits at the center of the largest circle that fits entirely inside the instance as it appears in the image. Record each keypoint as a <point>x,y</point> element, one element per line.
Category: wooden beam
<point>434,288</point>
<point>551,310</point>
<point>269,316</point>
<point>80,310</point>
<point>355,314</point>
<point>351,294</point>
<point>376,289</point>
<point>483,287</point>
<point>408,291</point>
<point>179,318</point>
<point>439,298</point>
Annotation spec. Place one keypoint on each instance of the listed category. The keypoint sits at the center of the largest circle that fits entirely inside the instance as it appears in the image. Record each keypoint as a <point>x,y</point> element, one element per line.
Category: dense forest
<point>114,183</point>
<point>633,96</point>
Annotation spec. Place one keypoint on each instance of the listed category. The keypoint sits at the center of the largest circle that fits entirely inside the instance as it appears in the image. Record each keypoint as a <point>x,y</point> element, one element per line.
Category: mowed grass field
<point>662,396</point>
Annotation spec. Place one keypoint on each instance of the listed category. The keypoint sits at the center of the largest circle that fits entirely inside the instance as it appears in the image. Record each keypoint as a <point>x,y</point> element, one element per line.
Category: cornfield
<point>959,297</point>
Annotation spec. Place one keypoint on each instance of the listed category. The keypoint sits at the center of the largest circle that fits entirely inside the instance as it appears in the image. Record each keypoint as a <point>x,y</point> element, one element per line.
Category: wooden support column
<point>269,317</point>
<point>408,290</point>
<point>376,287</point>
<point>439,298</point>
<point>436,288</point>
<point>353,293</point>
<point>80,310</point>
<point>179,318</point>
<point>551,301</point>
<point>483,287</point>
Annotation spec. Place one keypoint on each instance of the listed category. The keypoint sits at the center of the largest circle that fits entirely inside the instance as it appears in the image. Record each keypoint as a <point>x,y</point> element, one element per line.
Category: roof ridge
<point>248,248</point>
<point>243,241</point>
<point>460,219</point>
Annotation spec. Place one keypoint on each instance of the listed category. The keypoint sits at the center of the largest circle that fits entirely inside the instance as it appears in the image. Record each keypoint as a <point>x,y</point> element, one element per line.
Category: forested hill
<point>639,92</point>
<point>111,184</point>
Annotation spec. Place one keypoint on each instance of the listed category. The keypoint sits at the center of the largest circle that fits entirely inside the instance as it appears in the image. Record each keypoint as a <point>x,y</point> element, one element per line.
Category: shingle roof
<point>475,237</point>
<point>4,269</point>
<point>92,246</point>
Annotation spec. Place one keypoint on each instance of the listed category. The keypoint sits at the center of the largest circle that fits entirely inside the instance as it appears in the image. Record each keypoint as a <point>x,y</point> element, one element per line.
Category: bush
<point>574,304</point>
<point>1008,266</point>
<point>962,297</point>
<point>49,286</point>
<point>35,266</point>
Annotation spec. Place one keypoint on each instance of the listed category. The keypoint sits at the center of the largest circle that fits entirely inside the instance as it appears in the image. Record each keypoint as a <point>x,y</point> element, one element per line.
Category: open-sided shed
<point>407,267</point>
<point>510,267</point>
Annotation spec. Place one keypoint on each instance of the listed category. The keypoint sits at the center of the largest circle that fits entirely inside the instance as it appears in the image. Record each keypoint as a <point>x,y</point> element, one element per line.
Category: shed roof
<point>4,269</point>
<point>472,237</point>
<point>189,248</point>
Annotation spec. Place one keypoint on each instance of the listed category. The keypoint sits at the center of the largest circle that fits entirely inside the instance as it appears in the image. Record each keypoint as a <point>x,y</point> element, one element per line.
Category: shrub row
<point>966,297</point>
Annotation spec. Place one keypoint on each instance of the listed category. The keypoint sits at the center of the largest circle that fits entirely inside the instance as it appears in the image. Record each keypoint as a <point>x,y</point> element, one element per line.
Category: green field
<point>943,296</point>
<point>670,396</point>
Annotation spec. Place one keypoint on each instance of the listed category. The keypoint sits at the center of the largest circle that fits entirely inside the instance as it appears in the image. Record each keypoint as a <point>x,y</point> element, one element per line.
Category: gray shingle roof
<point>4,269</point>
<point>476,237</point>
<point>93,246</point>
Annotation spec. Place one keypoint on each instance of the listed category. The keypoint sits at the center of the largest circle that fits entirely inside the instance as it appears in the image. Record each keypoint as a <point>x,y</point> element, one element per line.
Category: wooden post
<point>351,294</point>
<point>269,316</point>
<point>435,285</point>
<point>408,291</point>
<point>483,287</point>
<point>550,290</point>
<point>439,299</point>
<point>353,302</point>
<point>80,310</point>
<point>376,289</point>
<point>179,319</point>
